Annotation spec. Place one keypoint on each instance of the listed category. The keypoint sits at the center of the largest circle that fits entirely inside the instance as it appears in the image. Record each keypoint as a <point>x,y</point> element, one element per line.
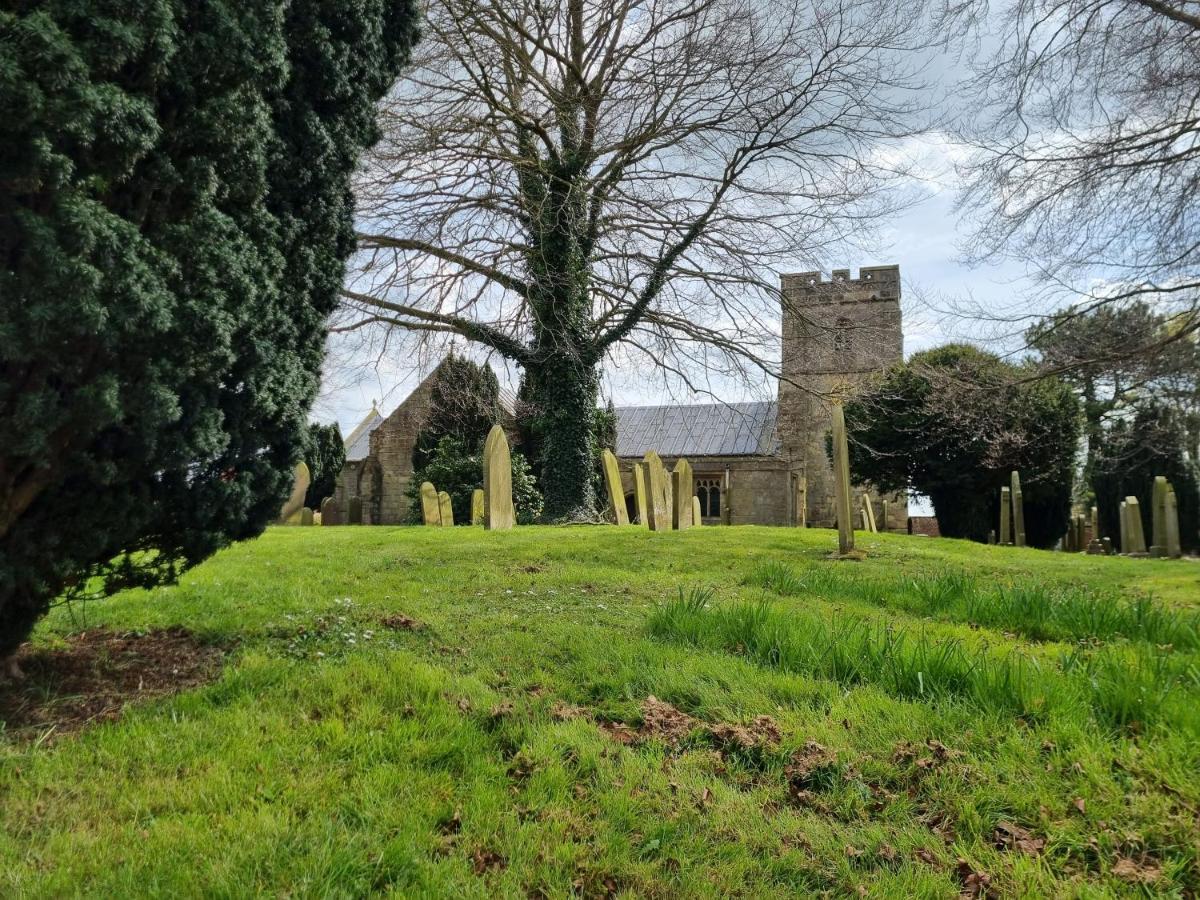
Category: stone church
<point>754,463</point>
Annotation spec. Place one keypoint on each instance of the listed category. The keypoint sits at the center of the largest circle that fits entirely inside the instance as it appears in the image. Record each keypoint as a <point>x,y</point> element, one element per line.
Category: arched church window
<point>708,491</point>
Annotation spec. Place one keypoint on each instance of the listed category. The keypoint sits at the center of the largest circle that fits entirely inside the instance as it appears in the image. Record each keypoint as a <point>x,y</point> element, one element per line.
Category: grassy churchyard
<point>597,711</point>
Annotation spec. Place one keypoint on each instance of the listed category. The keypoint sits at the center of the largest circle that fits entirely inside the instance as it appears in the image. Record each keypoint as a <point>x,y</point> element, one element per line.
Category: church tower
<point>835,334</point>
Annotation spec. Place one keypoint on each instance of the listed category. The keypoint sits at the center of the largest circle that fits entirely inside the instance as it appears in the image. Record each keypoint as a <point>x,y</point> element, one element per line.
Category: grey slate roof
<point>358,444</point>
<point>708,429</point>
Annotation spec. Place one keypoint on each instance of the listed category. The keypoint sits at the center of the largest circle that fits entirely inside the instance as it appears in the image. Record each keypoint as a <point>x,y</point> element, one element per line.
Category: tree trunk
<point>566,396</point>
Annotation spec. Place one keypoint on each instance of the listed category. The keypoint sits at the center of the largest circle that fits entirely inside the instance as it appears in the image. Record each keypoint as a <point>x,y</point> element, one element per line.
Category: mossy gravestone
<point>1123,522</point>
<point>697,518</point>
<point>290,512</point>
<point>329,512</point>
<point>445,509</point>
<point>612,485</point>
<point>1158,516</point>
<point>640,495</point>
<point>431,510</point>
<point>1133,527</point>
<point>355,512</point>
<point>1005,516</point>
<point>841,486</point>
<point>1018,503</point>
<point>306,515</point>
<point>682,489</point>
<point>498,511</point>
<point>658,493</point>
<point>477,506</point>
<point>869,510</point>
<point>1174,549</point>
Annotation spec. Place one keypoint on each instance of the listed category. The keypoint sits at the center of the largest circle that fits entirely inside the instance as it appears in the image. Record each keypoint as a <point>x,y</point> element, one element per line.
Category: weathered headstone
<point>612,484</point>
<point>727,500</point>
<point>431,511</point>
<point>306,515</point>
<point>862,520</point>
<point>1123,523</point>
<point>1158,516</point>
<point>658,496</point>
<point>682,491</point>
<point>870,513</point>
<point>477,506</point>
<point>641,495</point>
<point>1134,527</point>
<point>697,518</point>
<point>885,520</point>
<point>1095,546</point>
<point>841,483</point>
<point>290,511</point>
<point>445,509</point>
<point>991,536</point>
<point>1106,542</point>
<point>1174,548</point>
<point>1005,516</point>
<point>330,514</point>
<point>354,514</point>
<point>498,511</point>
<point>1018,502</point>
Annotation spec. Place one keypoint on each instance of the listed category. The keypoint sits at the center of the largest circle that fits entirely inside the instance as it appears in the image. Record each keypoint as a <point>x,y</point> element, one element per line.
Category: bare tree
<point>1087,157</point>
<point>567,182</point>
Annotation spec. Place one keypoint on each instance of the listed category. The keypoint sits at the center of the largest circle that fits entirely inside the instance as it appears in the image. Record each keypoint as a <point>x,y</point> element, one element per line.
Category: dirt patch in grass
<point>98,673</point>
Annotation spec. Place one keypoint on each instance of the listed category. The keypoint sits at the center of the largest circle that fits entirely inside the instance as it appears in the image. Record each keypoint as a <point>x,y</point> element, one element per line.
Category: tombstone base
<point>1158,552</point>
<point>855,555</point>
<point>1141,554</point>
<point>1095,548</point>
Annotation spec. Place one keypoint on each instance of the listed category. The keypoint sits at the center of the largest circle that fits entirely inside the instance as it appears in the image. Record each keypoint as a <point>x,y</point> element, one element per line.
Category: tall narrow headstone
<point>612,484</point>
<point>870,511</point>
<point>445,509</point>
<point>1134,527</point>
<point>1174,549</point>
<point>431,511</point>
<point>841,482</point>
<point>354,514</point>
<point>658,494</point>
<point>330,514</point>
<point>1158,516</point>
<point>498,511</point>
<point>1123,523</point>
<point>697,517</point>
<point>1005,516</point>
<point>682,490</point>
<point>640,495</point>
<point>991,535</point>
<point>477,506</point>
<point>727,500</point>
<point>1095,546</point>
<point>290,511</point>
<point>885,521</point>
<point>1018,502</point>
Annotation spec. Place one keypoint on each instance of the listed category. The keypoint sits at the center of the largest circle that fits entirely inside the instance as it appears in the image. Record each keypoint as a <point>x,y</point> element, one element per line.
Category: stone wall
<point>757,491</point>
<point>835,334</point>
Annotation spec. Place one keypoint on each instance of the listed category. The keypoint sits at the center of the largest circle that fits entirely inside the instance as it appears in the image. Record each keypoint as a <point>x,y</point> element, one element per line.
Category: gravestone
<point>354,514</point>
<point>1018,518</point>
<point>1123,523</point>
<point>682,489</point>
<point>991,535</point>
<point>1158,516</point>
<point>445,509</point>
<point>1134,528</point>
<point>640,494</point>
<point>1174,549</point>
<point>431,511</point>
<point>612,484</point>
<point>330,514</point>
<point>886,521</point>
<point>1005,516</point>
<point>841,484</point>
<point>1095,546</point>
<point>498,513</point>
<point>1106,542</point>
<point>477,506</point>
<point>306,515</point>
<point>658,494</point>
<point>697,518</point>
<point>870,514</point>
<point>290,511</point>
<point>862,520</point>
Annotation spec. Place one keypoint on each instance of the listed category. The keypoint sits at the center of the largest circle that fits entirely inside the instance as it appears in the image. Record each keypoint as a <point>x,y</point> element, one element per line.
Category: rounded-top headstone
<point>498,513</point>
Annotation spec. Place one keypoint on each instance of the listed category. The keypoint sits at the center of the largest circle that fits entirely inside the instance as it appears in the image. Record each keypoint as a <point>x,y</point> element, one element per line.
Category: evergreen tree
<point>464,404</point>
<point>175,214</point>
<point>952,424</point>
<point>325,455</point>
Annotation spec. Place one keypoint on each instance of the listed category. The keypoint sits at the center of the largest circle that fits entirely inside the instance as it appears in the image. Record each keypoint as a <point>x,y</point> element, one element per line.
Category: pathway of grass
<point>481,755</point>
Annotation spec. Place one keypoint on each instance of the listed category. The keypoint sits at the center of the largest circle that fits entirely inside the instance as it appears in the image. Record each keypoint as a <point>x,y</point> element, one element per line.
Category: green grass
<point>336,757</point>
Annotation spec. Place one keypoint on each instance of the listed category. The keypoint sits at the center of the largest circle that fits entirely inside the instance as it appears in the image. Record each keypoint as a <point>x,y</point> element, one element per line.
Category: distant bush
<point>452,469</point>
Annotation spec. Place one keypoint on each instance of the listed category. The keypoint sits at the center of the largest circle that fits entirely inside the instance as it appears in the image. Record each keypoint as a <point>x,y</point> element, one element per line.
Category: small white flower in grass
<point>319,653</point>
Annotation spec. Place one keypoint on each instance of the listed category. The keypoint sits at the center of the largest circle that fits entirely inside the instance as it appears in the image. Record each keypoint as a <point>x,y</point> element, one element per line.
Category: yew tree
<point>175,218</point>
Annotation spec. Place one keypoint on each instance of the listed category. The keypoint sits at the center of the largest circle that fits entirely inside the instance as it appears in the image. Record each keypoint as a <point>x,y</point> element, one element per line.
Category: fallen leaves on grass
<point>974,883</point>
<point>1145,871</point>
<point>484,861</point>
<point>400,622</point>
<point>99,672</point>
<point>761,732</point>
<point>666,723</point>
<point>1008,836</point>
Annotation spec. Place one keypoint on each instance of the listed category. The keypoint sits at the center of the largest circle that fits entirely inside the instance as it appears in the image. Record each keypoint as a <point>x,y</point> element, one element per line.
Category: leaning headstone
<point>870,514</point>
<point>1174,549</point>
<point>682,490</point>
<point>1134,528</point>
<point>612,484</point>
<point>1005,516</point>
<point>445,509</point>
<point>330,514</point>
<point>498,511</point>
<point>1018,503</point>
<point>354,514</point>
<point>841,482</point>
<point>290,511</point>
<point>1158,516</point>
<point>640,494</point>
<point>431,511</point>
<point>697,518</point>
<point>477,506</point>
<point>306,515</point>
<point>658,493</point>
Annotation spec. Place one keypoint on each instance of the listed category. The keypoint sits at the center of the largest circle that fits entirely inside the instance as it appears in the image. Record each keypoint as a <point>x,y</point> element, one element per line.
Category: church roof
<point>707,429</point>
<point>358,442</point>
